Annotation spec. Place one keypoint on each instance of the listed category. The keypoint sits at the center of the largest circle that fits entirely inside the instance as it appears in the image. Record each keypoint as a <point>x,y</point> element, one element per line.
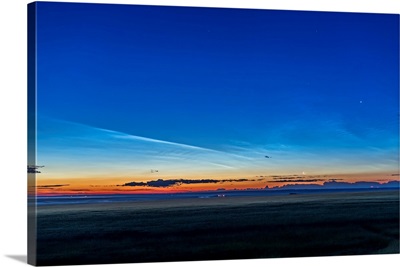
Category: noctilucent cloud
<point>209,93</point>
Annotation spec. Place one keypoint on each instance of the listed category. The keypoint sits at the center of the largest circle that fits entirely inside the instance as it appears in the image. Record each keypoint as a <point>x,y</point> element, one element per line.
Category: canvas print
<point>161,133</point>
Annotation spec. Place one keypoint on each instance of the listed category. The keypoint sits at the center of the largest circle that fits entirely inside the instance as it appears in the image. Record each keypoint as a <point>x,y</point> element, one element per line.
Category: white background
<point>13,127</point>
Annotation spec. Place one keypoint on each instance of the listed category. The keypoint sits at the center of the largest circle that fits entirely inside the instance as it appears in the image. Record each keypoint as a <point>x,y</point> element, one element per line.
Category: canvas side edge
<point>31,135</point>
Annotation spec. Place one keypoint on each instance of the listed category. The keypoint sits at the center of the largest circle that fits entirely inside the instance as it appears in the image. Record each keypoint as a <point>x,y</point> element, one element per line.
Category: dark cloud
<point>339,185</point>
<point>361,184</point>
<point>51,185</point>
<point>292,177</point>
<point>288,176</point>
<point>334,179</point>
<point>236,180</point>
<point>295,186</point>
<point>163,183</point>
<point>297,180</point>
<point>172,182</point>
<point>395,174</point>
<point>135,184</point>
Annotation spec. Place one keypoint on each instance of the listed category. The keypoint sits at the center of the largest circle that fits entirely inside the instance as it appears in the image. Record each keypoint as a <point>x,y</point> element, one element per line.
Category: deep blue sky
<point>225,79</point>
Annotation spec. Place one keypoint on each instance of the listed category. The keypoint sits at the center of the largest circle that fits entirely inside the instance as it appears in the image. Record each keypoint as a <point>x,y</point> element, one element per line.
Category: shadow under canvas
<point>20,258</point>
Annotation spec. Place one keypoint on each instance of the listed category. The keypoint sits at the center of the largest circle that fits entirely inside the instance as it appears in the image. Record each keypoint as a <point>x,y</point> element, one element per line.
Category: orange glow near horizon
<point>65,186</point>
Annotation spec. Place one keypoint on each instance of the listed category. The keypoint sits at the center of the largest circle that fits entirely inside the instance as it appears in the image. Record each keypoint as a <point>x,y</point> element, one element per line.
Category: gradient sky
<point>200,93</point>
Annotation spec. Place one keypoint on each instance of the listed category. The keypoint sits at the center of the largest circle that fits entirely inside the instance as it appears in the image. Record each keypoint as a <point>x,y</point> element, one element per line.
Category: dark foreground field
<point>220,228</point>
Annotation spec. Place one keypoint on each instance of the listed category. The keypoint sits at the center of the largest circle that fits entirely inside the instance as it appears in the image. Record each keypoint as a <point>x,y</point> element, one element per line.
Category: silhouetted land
<point>219,228</point>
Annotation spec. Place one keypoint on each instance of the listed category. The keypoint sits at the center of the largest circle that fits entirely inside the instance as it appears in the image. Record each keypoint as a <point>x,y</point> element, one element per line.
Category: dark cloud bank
<point>51,185</point>
<point>331,184</point>
<point>172,182</point>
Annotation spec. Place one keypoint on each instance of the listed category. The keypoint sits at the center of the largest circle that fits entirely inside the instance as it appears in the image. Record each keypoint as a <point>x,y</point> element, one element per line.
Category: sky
<point>167,99</point>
